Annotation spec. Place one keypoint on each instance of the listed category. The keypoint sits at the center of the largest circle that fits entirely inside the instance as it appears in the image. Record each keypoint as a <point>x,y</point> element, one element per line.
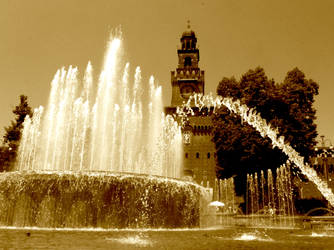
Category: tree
<point>298,96</point>
<point>8,151</point>
<point>5,158</point>
<point>287,106</point>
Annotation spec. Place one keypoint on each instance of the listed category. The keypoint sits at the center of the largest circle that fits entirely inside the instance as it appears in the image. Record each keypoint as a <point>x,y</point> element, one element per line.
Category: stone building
<point>187,79</point>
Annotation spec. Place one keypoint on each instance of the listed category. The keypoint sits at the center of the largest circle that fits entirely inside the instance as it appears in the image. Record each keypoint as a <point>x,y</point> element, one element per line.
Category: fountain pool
<point>97,200</point>
<point>241,238</point>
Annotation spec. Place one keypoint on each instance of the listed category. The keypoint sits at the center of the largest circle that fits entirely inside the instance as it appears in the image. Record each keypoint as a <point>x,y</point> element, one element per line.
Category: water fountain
<point>269,200</point>
<point>279,208</point>
<point>106,157</point>
<point>255,120</point>
<point>100,155</point>
<point>122,129</point>
<point>224,193</point>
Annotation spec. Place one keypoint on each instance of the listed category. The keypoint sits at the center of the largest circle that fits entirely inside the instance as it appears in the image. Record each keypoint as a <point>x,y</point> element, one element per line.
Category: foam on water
<point>133,240</point>
<point>324,234</point>
<point>253,236</point>
<point>316,235</point>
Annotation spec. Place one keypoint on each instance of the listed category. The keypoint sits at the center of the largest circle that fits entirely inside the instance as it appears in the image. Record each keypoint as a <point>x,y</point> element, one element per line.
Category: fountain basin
<point>97,200</point>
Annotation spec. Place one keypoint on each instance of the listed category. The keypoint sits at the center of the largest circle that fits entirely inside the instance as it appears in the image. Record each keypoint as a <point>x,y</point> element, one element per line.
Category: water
<point>224,192</point>
<point>270,198</point>
<point>254,119</point>
<point>110,124</point>
<point>97,200</point>
<point>239,238</point>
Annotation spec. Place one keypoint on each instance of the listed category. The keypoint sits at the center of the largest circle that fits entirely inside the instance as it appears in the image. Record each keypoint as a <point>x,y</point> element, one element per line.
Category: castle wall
<point>199,154</point>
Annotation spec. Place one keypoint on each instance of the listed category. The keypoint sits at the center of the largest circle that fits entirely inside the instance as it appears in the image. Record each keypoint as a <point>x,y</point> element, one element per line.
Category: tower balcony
<point>195,74</point>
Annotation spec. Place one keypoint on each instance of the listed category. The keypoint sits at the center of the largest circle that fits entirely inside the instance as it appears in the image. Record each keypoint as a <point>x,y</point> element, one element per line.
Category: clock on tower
<point>187,91</point>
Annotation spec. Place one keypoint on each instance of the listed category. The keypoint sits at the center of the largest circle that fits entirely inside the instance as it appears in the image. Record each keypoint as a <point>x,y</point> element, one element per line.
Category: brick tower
<point>188,78</point>
<point>199,150</point>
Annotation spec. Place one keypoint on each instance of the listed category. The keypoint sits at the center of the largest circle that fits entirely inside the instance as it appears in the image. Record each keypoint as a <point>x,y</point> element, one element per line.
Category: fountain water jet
<point>122,131</point>
<point>255,120</point>
<point>271,198</point>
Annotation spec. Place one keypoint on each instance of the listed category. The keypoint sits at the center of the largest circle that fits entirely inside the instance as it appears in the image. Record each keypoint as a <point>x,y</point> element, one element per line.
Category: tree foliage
<point>287,106</point>
<point>12,135</point>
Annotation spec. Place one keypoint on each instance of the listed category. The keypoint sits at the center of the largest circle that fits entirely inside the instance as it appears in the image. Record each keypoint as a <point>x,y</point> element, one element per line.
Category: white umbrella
<point>216,204</point>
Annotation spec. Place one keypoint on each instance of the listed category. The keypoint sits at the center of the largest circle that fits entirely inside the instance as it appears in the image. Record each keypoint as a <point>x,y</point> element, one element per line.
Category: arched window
<point>187,61</point>
<point>197,155</point>
<point>209,155</point>
<point>186,155</point>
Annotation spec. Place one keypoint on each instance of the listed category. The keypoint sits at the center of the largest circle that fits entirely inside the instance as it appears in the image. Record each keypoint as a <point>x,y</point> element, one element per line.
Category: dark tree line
<point>11,139</point>
<point>287,106</point>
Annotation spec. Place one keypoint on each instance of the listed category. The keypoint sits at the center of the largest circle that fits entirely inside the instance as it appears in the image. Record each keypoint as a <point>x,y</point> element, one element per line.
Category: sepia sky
<point>39,36</point>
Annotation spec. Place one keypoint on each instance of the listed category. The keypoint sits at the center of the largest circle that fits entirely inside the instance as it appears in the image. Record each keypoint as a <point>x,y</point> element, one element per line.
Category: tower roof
<point>189,32</point>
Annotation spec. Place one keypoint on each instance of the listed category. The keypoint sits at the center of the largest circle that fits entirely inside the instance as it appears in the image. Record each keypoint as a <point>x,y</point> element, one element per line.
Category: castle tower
<point>188,78</point>
<point>199,162</point>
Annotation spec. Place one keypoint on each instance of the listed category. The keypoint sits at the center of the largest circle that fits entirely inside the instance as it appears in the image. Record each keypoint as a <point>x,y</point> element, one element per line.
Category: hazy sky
<point>39,36</point>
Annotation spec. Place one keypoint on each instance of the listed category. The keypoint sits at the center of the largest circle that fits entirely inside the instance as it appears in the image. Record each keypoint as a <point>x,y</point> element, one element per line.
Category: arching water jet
<point>254,119</point>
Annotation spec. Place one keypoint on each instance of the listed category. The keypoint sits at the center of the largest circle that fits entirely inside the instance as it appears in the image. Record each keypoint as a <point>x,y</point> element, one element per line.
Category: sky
<point>37,37</point>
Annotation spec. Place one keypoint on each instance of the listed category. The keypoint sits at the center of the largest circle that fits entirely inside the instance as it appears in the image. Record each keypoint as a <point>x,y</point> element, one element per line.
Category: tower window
<point>186,155</point>
<point>197,155</point>
<point>187,61</point>
<point>209,155</point>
